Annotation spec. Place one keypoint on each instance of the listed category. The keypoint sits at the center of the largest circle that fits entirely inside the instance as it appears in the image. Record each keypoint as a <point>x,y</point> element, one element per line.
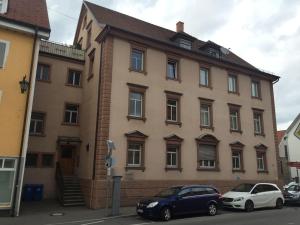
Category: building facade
<point>179,111</point>
<point>289,150</point>
<point>20,34</point>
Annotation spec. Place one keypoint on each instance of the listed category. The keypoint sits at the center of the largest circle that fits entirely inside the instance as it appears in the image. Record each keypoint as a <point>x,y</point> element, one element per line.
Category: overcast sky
<point>266,33</point>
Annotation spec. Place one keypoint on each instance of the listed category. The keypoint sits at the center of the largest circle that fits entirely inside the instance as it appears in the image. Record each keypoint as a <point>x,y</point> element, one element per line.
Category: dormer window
<point>183,43</point>
<point>3,6</point>
<point>213,52</point>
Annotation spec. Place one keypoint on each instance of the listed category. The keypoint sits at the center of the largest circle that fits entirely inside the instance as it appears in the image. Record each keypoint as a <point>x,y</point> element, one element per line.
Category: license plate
<point>140,211</point>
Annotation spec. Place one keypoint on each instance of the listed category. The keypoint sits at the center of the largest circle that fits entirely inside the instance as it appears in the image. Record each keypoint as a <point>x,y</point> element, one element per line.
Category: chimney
<point>180,26</point>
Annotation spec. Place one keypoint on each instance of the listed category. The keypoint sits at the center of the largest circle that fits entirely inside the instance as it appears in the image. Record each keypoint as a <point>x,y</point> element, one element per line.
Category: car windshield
<point>243,188</point>
<point>168,192</point>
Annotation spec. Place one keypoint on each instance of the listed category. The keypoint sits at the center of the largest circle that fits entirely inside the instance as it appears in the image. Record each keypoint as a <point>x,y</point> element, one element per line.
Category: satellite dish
<point>225,51</point>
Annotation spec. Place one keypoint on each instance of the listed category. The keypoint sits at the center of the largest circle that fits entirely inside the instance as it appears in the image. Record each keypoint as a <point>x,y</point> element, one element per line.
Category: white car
<point>252,196</point>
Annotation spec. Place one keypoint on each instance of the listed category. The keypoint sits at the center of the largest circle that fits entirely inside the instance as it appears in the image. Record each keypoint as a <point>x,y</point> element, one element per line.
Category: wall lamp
<point>24,85</point>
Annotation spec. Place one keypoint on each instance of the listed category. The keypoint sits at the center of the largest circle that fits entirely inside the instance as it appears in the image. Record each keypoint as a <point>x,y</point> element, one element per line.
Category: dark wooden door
<point>67,160</point>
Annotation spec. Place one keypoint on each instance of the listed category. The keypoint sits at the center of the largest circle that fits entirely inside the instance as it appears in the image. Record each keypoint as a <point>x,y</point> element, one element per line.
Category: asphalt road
<point>286,216</point>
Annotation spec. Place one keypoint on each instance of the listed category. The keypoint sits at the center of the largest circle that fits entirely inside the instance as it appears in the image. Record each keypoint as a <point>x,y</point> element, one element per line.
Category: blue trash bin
<point>28,192</point>
<point>38,192</point>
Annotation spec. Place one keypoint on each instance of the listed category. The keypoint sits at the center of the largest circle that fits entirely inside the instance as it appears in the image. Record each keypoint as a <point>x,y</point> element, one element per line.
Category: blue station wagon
<point>180,200</point>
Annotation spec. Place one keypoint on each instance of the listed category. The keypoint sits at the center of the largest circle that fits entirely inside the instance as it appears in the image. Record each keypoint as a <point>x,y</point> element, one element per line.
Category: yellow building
<point>22,24</point>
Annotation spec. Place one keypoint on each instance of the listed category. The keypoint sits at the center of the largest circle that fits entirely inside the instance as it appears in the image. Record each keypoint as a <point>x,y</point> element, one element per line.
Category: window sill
<point>205,86</point>
<point>90,77</point>
<point>138,71</point>
<point>175,79</point>
<point>37,135</point>
<point>142,168</point>
<point>234,93</point>
<point>262,134</point>
<point>258,98</point>
<point>206,128</point>
<point>262,171</point>
<point>136,118</point>
<point>238,171</point>
<point>173,123</point>
<point>236,131</point>
<point>173,169</point>
<point>208,169</point>
<point>70,124</point>
<point>74,86</point>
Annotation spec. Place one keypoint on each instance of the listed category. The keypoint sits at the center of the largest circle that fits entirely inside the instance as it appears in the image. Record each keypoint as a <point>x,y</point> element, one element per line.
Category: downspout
<point>18,182</point>
<point>97,126</point>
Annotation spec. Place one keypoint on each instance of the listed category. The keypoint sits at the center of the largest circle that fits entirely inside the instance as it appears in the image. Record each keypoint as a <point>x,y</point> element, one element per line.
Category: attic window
<point>3,6</point>
<point>213,52</point>
<point>183,43</point>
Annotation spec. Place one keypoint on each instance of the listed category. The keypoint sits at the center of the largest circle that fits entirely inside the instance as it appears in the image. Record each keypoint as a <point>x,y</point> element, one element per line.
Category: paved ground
<point>40,214</point>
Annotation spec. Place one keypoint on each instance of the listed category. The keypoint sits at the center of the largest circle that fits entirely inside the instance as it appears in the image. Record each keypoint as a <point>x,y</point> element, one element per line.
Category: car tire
<point>279,203</point>
<point>212,209</point>
<point>249,206</point>
<point>166,214</point>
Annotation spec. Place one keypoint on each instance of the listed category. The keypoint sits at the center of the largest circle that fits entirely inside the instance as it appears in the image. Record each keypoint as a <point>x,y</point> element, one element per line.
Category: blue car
<point>180,200</point>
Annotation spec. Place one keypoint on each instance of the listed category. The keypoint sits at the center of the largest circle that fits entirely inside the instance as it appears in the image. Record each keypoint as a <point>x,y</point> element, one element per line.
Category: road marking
<point>100,221</point>
<point>90,220</point>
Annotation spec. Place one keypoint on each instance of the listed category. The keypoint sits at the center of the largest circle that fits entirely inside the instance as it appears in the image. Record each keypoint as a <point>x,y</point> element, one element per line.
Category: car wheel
<point>212,209</point>
<point>166,214</point>
<point>249,206</point>
<point>279,203</point>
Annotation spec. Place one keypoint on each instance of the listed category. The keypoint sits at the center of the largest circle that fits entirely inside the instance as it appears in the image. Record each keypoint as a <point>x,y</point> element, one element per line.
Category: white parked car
<point>252,196</point>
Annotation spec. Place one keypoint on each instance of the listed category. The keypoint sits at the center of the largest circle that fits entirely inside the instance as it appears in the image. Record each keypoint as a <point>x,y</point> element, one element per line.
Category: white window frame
<point>232,84</point>
<point>172,154</point>
<point>133,159</point>
<point>8,205</point>
<point>261,161</point>
<point>71,113</point>
<point>183,43</point>
<point>73,74</point>
<point>204,112</point>
<point>3,9</point>
<point>172,108</point>
<point>174,64</point>
<point>236,157</point>
<point>40,77</point>
<point>235,118</point>
<point>134,101</point>
<point>35,121</point>
<point>7,45</point>
<point>135,60</point>
<point>255,89</point>
<point>207,163</point>
<point>257,123</point>
<point>206,79</point>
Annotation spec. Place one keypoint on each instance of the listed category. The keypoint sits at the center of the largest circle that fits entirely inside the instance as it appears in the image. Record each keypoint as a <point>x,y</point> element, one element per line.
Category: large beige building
<point>178,109</point>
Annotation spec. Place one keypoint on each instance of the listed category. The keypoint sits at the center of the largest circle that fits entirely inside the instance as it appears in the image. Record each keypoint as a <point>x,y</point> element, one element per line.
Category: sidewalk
<point>40,213</point>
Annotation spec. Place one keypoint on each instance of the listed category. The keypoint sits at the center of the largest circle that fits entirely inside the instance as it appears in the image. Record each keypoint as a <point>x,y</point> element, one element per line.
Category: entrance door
<point>67,160</point>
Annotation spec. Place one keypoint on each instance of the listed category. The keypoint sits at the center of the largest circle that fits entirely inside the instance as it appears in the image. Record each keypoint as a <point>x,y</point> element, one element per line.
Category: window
<point>74,77</point>
<point>183,43</point>
<point>4,47</point>
<point>37,123</point>
<point>71,114</point>
<point>3,6</point>
<point>172,69</point>
<point>47,160</point>
<point>91,64</point>
<point>31,160</point>
<point>286,153</point>
<point>213,52</point>
<point>204,77</point>
<point>172,110</point>
<point>232,84</point>
<point>7,178</point>
<point>136,108</point>
<point>173,152</point>
<point>255,89</point>
<point>234,116</point>
<point>206,114</point>
<point>258,122</point>
<point>135,150</point>
<point>261,158</point>
<point>207,152</point>
<point>237,156</point>
<point>43,72</point>
<point>89,38</point>
<point>172,156</point>
<point>137,60</point>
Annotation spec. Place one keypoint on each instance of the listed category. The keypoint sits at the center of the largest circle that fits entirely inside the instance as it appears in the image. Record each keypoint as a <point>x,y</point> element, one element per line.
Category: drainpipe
<point>97,126</point>
<point>25,131</point>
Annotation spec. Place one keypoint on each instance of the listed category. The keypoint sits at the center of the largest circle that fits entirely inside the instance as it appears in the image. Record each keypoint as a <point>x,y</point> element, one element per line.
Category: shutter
<point>207,152</point>
<point>2,53</point>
